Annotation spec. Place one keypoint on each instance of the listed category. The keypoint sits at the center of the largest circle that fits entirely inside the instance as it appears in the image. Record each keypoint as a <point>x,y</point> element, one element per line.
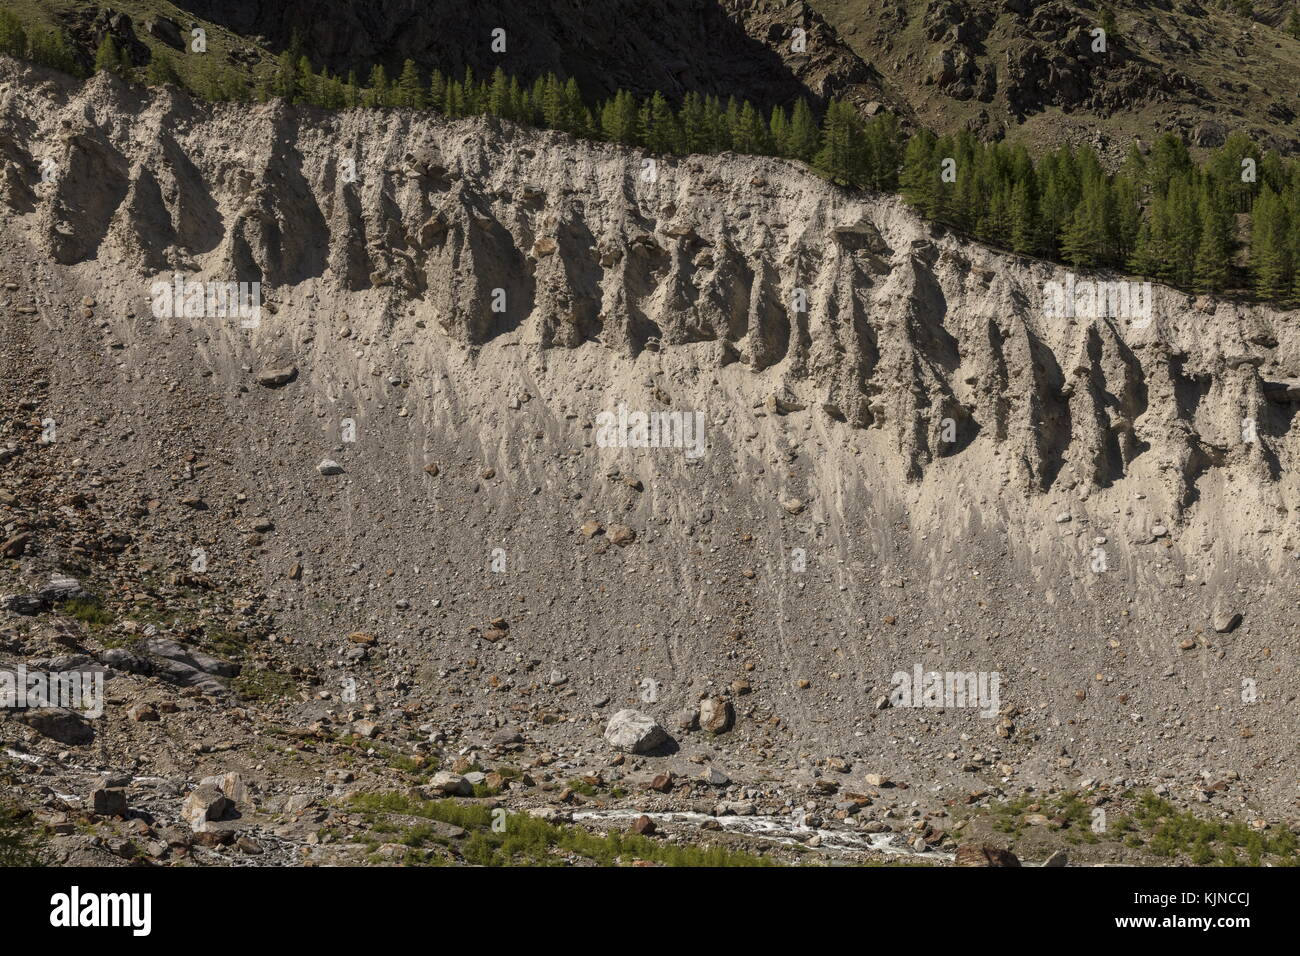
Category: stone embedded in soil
<point>634,732</point>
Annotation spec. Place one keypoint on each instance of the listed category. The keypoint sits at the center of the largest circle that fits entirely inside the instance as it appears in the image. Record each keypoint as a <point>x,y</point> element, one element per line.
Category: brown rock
<point>983,854</point>
<point>16,545</point>
<point>644,826</point>
<point>142,712</point>
<point>716,715</point>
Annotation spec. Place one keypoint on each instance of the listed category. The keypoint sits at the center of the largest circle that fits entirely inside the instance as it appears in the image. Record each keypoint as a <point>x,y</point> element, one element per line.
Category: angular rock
<point>984,854</point>
<point>451,784</point>
<point>231,784</point>
<point>1225,622</point>
<point>716,715</point>
<point>276,377</point>
<point>204,804</point>
<point>108,802</point>
<point>634,732</point>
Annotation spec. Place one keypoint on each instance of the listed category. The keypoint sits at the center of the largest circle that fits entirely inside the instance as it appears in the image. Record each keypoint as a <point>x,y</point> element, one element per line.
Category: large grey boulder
<point>451,784</point>
<point>634,732</point>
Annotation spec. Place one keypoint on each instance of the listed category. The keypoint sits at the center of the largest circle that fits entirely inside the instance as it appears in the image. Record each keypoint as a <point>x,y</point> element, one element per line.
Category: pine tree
<point>840,157</point>
<point>749,133</point>
<point>1270,259</point>
<point>377,92</point>
<point>161,71</point>
<point>50,48</point>
<point>1214,253</point>
<point>13,38</point>
<point>307,83</point>
<point>1184,228</point>
<point>1085,239</point>
<point>1169,158</point>
<point>1225,171</point>
<point>453,100</point>
<point>409,90</point>
<point>554,114</point>
<point>919,179</point>
<point>499,95</point>
<point>437,90</point>
<point>693,121</point>
<point>1024,225</point>
<point>779,125</point>
<point>662,134</point>
<point>1127,219</point>
<point>882,153</point>
<point>804,140</point>
<point>107,56</point>
<point>619,119</point>
<point>285,83</point>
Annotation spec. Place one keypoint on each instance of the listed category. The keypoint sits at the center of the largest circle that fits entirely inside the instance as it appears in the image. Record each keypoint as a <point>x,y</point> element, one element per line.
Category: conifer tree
<point>437,90</point>
<point>1024,226</point>
<point>882,153</point>
<point>377,93</point>
<point>161,70</point>
<point>13,38</point>
<point>662,134</point>
<point>1085,239</point>
<point>804,139</point>
<point>840,156</point>
<point>920,176</point>
<point>1270,258</point>
<point>107,56</point>
<point>1214,252</point>
<point>748,132</point>
<point>50,48</point>
<point>619,118</point>
<point>1184,228</point>
<point>693,119</point>
<point>779,125</point>
<point>409,90</point>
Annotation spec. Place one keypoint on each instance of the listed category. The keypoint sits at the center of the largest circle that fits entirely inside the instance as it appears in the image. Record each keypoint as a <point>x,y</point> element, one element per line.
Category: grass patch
<point>525,841</point>
<point>263,684</point>
<point>88,611</point>
<point>1158,827</point>
<point>1176,832</point>
<point>19,837</point>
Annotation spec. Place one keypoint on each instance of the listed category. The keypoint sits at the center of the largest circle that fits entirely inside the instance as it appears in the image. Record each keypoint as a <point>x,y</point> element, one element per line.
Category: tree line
<point>1229,223</point>
<point>1232,222</point>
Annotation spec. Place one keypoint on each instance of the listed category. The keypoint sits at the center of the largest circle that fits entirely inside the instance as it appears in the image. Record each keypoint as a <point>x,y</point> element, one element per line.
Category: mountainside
<point>1036,71</point>
<point>907,460</point>
<point>1032,72</point>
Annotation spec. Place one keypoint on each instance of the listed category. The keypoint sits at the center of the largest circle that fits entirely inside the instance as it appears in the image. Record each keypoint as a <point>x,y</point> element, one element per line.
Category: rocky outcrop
<point>848,301</point>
